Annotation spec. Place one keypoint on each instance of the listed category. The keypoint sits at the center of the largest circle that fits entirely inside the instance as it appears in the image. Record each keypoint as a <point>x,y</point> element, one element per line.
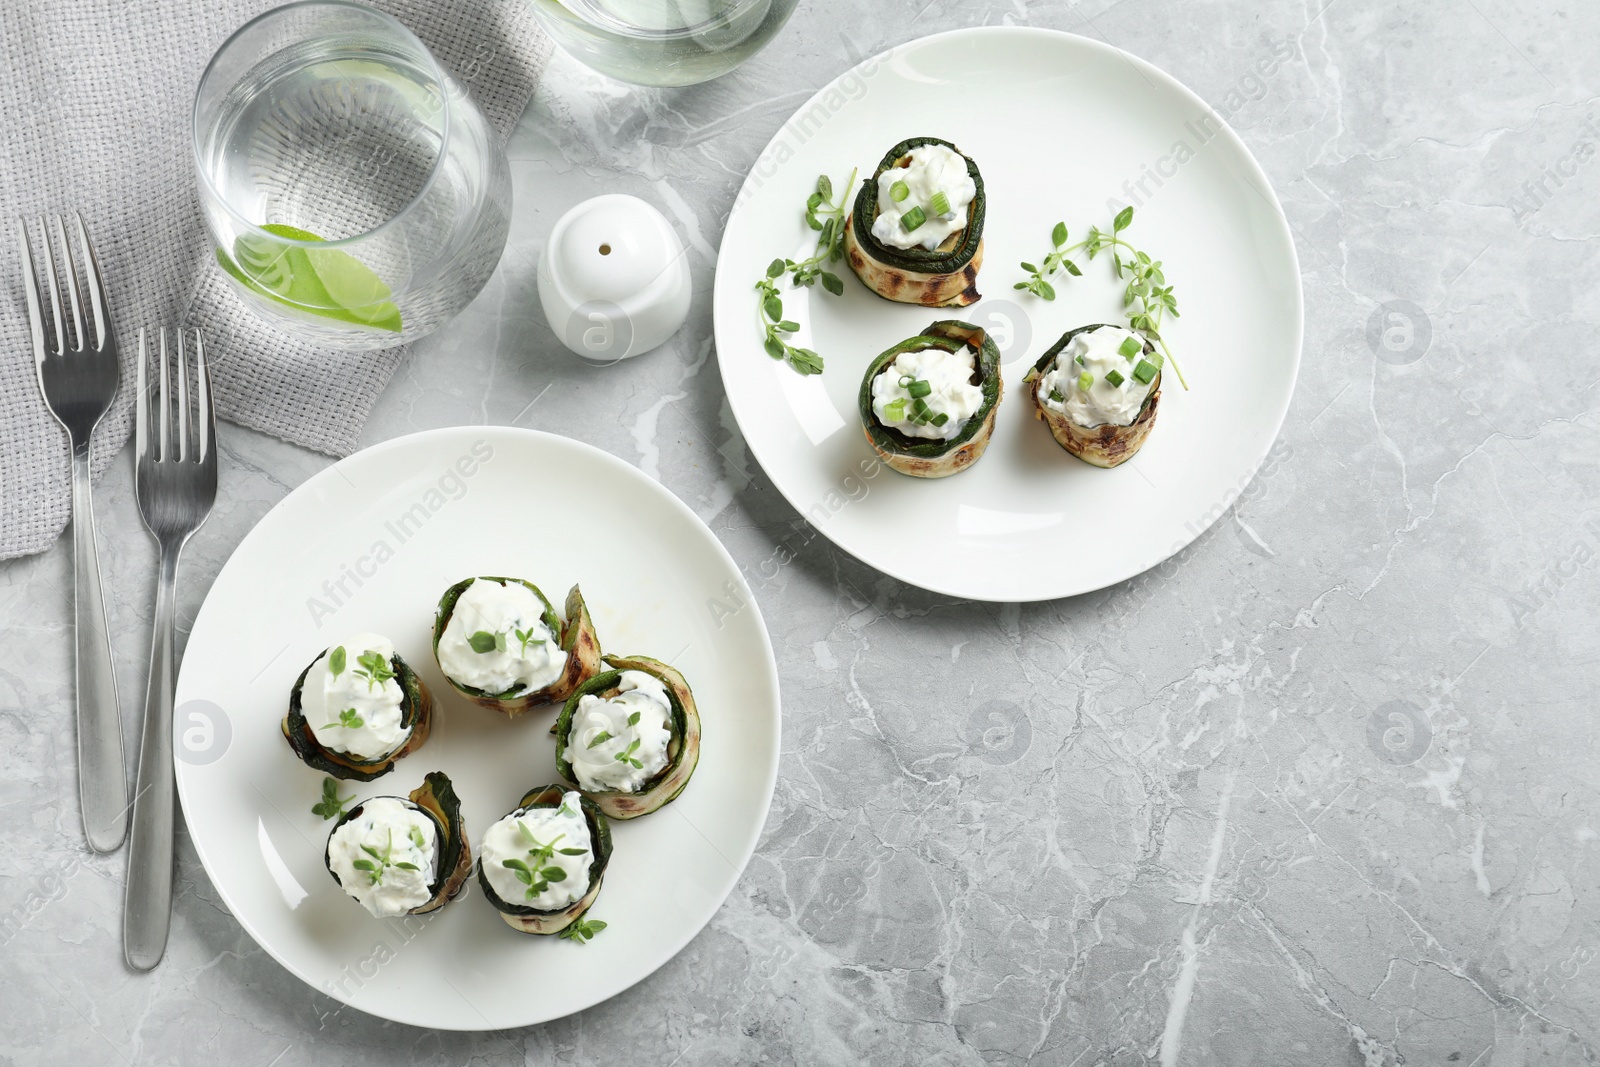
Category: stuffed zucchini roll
<point>1097,389</point>
<point>928,404</point>
<point>630,736</point>
<point>541,865</point>
<point>915,234</point>
<point>356,709</point>
<point>500,642</point>
<point>402,855</point>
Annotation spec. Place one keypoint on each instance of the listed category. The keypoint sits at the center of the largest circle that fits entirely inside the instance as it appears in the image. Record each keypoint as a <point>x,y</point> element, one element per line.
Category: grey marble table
<point>1320,790</point>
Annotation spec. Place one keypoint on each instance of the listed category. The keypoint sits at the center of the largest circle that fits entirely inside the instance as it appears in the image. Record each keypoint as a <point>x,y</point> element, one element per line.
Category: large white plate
<point>1062,128</point>
<point>369,544</point>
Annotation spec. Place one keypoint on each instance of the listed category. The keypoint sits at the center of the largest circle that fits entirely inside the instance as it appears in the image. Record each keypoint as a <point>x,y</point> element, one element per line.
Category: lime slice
<point>327,282</point>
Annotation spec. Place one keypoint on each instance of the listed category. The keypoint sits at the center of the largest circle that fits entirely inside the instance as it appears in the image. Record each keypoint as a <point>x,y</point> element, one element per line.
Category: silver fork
<point>78,377</point>
<point>176,487</point>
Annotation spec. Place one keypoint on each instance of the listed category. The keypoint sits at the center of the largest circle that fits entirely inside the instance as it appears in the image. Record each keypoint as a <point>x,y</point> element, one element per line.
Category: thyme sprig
<point>374,668</point>
<point>826,216</point>
<point>485,641</point>
<point>381,861</point>
<point>526,638</point>
<point>1146,298</point>
<point>582,930</point>
<point>627,756</point>
<point>536,872</point>
<point>349,718</point>
<point>332,805</point>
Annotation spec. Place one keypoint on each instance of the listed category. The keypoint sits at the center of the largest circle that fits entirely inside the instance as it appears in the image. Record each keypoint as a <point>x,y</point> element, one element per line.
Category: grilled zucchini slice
<point>946,276</point>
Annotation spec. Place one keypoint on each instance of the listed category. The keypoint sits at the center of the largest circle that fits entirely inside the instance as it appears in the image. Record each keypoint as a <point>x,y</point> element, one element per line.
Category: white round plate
<point>1063,129</point>
<point>370,544</point>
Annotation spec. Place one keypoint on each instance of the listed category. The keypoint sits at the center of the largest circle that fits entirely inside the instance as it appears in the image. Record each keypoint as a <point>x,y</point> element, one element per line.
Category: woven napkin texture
<point>95,117</point>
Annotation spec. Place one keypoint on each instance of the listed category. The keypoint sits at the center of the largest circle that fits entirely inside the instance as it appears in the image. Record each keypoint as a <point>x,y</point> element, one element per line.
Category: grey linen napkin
<point>94,116</point>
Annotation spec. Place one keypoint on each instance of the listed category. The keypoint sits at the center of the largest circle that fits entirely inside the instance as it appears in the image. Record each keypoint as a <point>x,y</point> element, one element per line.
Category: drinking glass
<point>663,42</point>
<point>357,196</point>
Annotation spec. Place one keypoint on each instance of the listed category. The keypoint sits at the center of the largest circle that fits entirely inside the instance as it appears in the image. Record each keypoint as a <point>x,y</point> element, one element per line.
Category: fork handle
<point>147,909</point>
<point>102,776</point>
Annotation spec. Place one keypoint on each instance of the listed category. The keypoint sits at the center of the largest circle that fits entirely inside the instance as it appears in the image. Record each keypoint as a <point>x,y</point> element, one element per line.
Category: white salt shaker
<point>613,278</point>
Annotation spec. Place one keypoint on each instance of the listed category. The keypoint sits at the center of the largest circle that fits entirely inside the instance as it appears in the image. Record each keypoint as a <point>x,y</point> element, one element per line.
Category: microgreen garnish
<point>533,871</point>
<point>374,668</point>
<point>599,739</point>
<point>382,861</point>
<point>526,638</point>
<point>483,641</point>
<point>633,720</point>
<point>332,805</point>
<point>626,755</point>
<point>582,930</point>
<point>1147,297</point>
<point>336,661</point>
<point>350,719</point>
<point>827,216</point>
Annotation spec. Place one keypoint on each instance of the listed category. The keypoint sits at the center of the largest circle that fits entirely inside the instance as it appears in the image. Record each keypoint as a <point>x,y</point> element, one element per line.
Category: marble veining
<point>1319,790</point>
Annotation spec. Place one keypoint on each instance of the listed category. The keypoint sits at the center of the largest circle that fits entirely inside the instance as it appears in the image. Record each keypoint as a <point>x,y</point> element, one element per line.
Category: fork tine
<point>35,315</point>
<point>55,291</point>
<point>71,271</point>
<point>95,286</point>
<point>180,411</point>
<point>163,411</point>
<point>205,418</point>
<point>141,409</point>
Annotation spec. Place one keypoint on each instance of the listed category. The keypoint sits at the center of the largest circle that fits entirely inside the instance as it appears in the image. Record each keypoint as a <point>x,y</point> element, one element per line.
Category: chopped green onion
<point>1130,347</point>
<point>1055,394</point>
<point>1155,357</point>
<point>912,219</point>
<point>920,388</point>
<point>899,191</point>
<point>1144,371</point>
<point>1115,377</point>
<point>919,410</point>
<point>941,418</point>
<point>894,411</point>
<point>940,204</point>
<point>1085,380</point>
<point>1079,358</point>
